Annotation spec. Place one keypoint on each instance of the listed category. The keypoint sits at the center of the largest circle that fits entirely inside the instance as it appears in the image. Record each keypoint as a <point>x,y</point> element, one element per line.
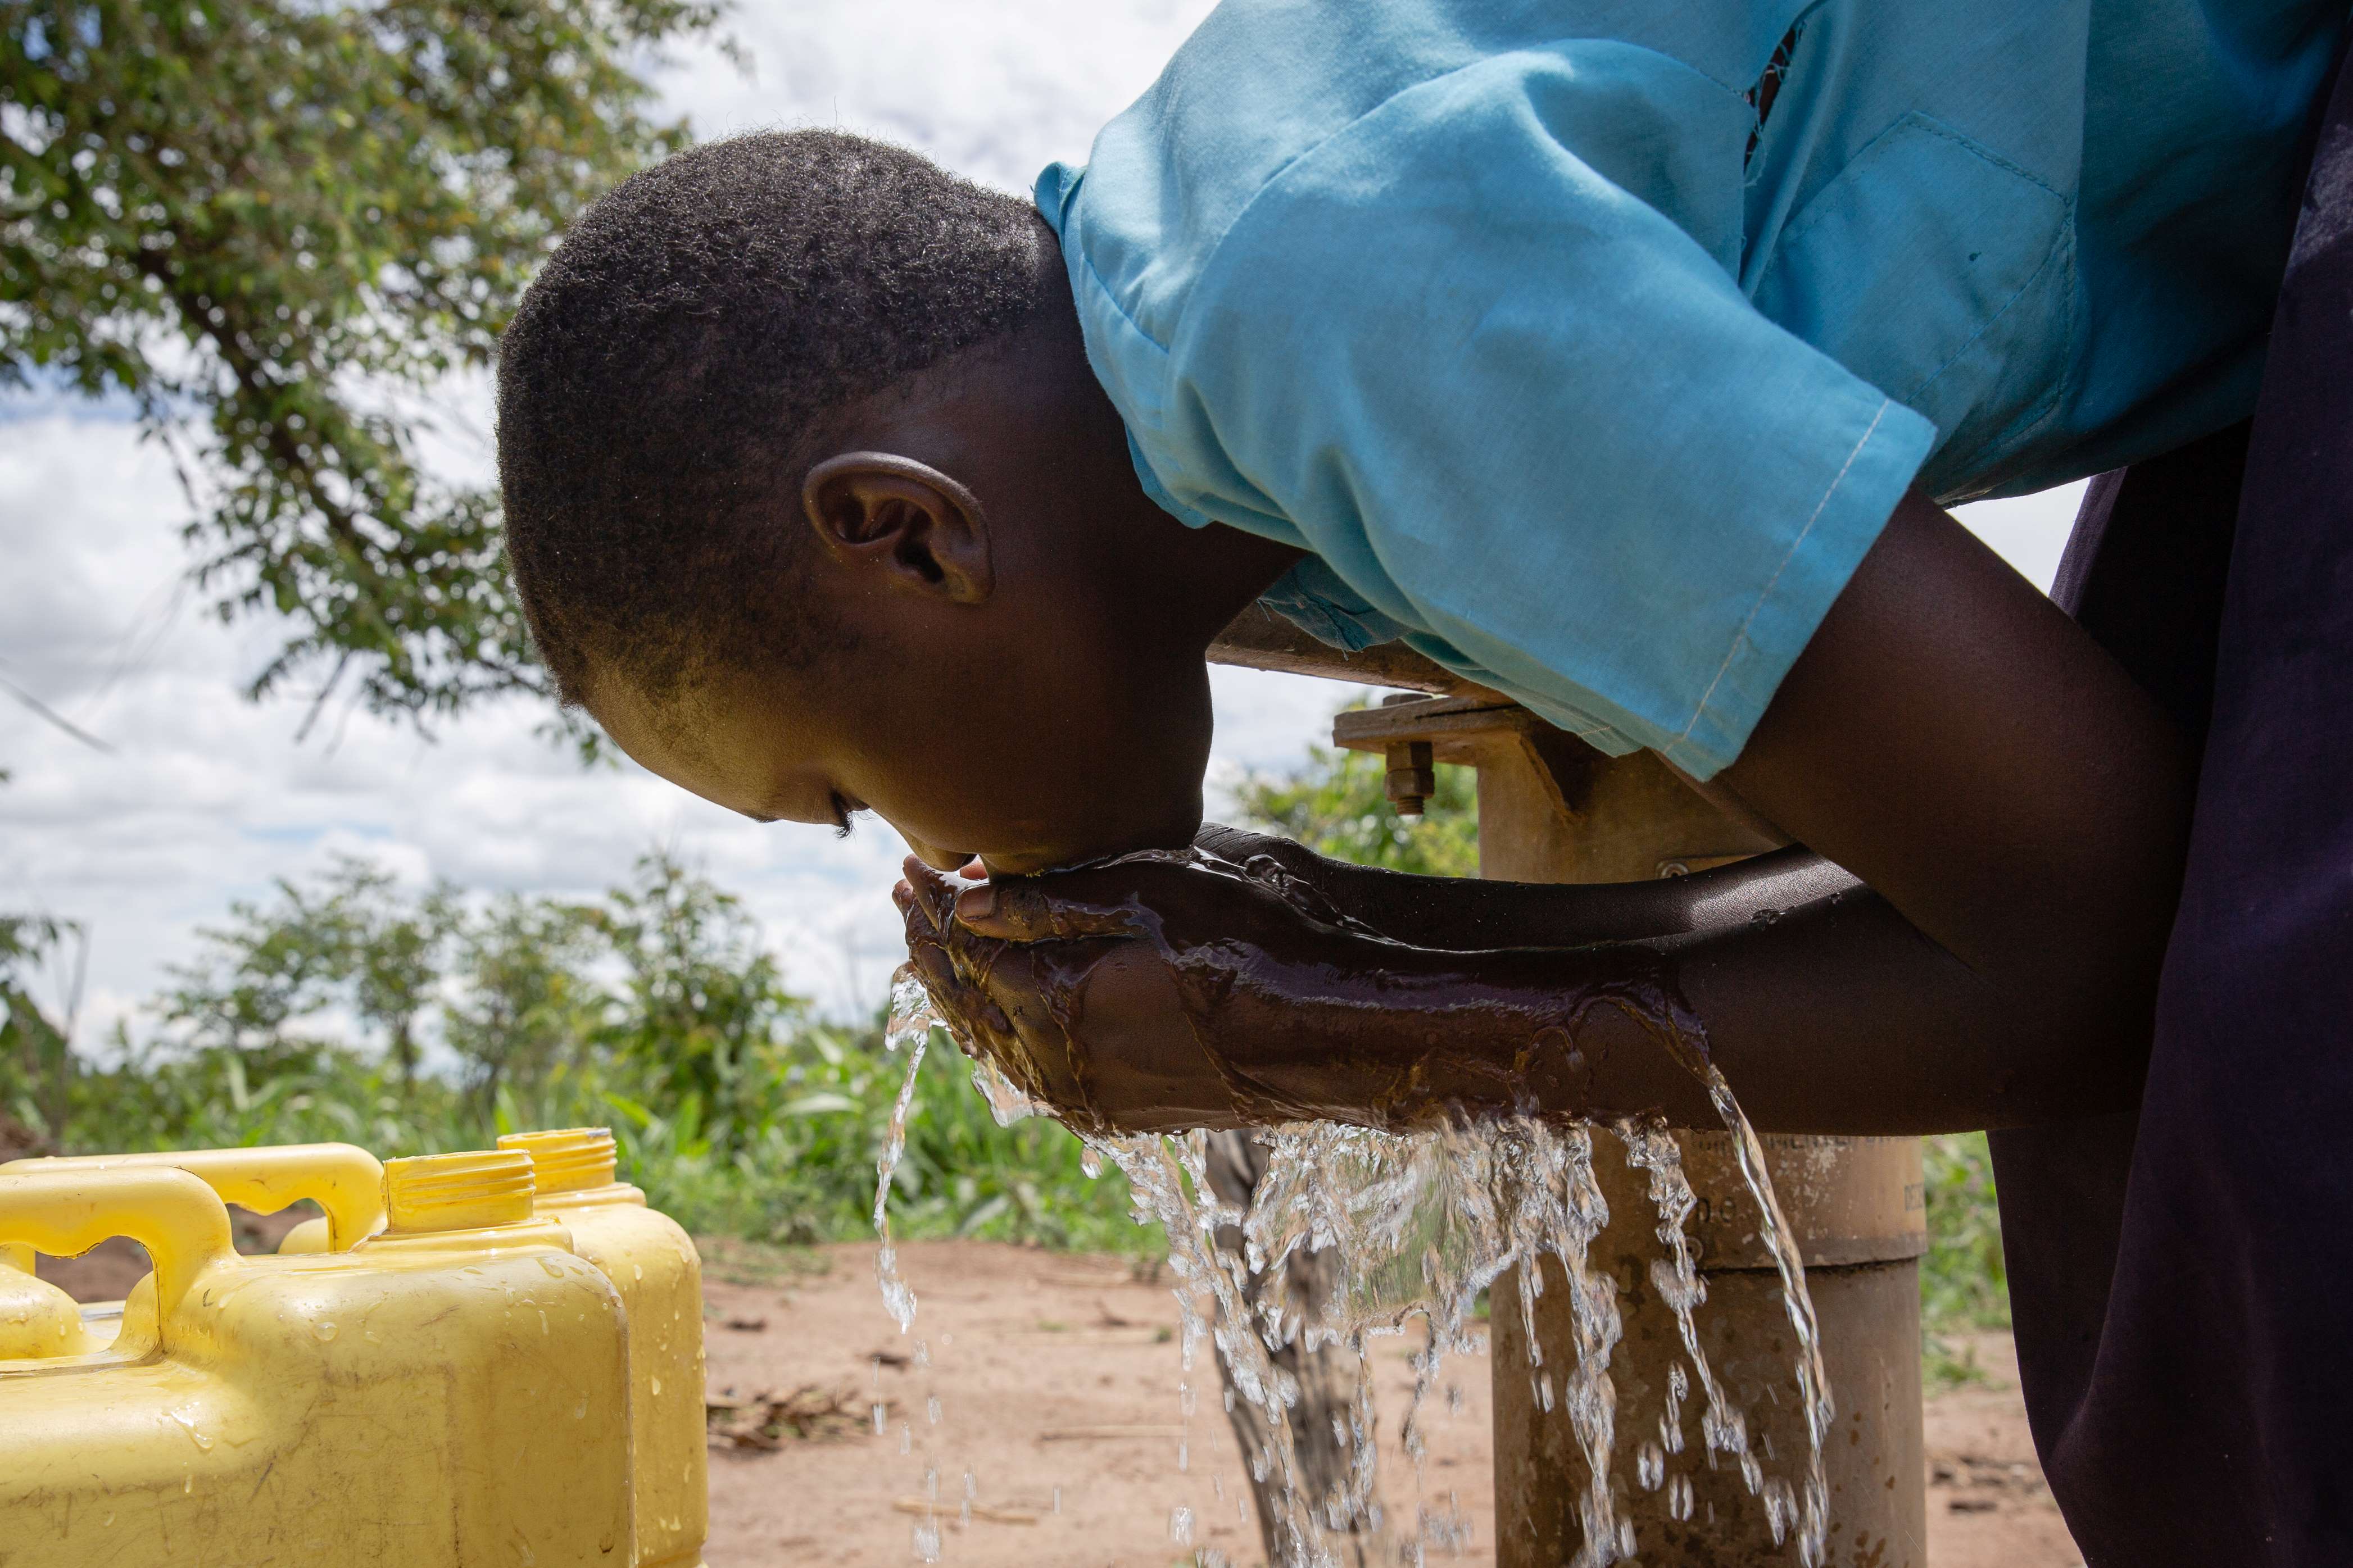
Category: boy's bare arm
<point>2016,806</point>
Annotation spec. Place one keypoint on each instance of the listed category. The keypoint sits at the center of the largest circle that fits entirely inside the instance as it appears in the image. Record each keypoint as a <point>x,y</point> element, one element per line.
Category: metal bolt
<point>1412,776</point>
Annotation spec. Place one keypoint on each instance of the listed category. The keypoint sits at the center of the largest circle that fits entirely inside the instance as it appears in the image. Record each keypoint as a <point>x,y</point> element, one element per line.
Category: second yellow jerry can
<point>653,1264</point>
<point>453,1393</point>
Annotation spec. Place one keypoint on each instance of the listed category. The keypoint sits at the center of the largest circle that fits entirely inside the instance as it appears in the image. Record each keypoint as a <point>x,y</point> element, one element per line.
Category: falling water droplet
<point>1650,1466</point>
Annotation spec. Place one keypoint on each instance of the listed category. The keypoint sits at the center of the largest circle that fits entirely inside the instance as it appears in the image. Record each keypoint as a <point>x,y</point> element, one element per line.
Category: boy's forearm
<point>1841,1018</point>
<point>2020,810</point>
<point>1825,1009</point>
<point>1830,1015</point>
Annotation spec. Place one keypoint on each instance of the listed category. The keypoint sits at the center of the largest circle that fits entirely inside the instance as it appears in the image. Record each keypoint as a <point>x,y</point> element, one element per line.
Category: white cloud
<point>994,91</point>
<point>205,797</point>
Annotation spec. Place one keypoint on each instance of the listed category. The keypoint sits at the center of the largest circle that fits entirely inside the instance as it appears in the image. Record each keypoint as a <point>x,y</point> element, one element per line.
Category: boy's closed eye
<point>843,809</point>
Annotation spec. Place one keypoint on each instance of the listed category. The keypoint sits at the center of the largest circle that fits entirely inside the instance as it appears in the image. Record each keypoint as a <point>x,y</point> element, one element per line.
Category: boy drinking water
<point>1621,359</point>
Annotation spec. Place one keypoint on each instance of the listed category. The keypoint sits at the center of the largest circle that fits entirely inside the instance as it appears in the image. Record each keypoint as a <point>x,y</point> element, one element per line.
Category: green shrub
<point>658,1012</point>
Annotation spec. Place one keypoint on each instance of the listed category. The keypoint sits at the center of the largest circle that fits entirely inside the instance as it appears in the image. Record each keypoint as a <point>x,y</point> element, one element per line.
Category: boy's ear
<point>923,531</point>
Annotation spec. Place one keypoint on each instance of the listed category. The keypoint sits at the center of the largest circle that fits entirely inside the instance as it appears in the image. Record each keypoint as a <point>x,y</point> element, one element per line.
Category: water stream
<point>1424,1223</point>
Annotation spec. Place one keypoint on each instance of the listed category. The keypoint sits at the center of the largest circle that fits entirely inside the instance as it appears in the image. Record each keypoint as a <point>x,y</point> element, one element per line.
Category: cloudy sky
<point>202,797</point>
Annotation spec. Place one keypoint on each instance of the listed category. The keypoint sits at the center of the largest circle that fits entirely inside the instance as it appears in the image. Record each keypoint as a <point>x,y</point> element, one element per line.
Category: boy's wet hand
<point>1133,896</point>
<point>1150,992</point>
<point>1086,1019</point>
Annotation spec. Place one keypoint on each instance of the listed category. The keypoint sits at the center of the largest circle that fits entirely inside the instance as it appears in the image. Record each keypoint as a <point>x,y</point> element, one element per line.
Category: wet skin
<point>1020,679</point>
<point>1159,995</point>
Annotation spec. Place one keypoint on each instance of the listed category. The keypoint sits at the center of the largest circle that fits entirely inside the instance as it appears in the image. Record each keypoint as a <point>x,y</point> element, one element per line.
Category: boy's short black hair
<point>670,375</point>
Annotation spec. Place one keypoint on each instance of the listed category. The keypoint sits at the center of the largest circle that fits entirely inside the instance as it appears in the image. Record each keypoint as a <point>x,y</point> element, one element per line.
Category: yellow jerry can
<point>649,1260</point>
<point>653,1264</point>
<point>451,1394</point>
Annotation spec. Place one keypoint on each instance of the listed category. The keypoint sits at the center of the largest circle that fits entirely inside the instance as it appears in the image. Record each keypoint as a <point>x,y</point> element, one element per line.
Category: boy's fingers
<point>935,893</point>
<point>919,924</point>
<point>1021,909</point>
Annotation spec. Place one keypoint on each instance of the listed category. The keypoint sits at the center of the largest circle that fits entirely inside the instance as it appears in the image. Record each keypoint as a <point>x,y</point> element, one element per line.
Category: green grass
<point>794,1166</point>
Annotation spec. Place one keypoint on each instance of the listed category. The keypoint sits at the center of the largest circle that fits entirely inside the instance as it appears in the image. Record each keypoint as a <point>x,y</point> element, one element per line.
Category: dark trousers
<point>2182,1278</point>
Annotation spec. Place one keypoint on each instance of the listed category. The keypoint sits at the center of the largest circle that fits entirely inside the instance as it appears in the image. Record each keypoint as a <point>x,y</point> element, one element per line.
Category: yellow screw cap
<point>567,1159</point>
<point>457,1191</point>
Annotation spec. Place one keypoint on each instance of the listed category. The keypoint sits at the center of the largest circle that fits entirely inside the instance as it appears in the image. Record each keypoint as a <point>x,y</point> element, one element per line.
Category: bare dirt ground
<point>1053,1381</point>
<point>1056,1382</point>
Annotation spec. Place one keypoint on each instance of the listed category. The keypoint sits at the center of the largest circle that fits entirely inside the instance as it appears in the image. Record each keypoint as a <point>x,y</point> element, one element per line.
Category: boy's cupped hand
<point>1157,992</point>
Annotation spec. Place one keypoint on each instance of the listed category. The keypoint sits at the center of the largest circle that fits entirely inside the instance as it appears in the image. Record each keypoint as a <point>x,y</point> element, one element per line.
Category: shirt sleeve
<point>1508,402</point>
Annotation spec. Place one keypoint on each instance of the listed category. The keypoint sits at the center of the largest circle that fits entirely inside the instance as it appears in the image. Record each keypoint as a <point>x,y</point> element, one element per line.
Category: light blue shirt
<point>1594,389</point>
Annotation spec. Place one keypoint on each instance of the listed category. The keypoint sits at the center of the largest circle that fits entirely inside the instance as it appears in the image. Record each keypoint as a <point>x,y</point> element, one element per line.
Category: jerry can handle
<point>178,1219</point>
<point>344,1179</point>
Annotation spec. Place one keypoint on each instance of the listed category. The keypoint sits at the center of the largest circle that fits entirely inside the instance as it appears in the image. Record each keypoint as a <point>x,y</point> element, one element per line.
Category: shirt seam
<point>1740,636</point>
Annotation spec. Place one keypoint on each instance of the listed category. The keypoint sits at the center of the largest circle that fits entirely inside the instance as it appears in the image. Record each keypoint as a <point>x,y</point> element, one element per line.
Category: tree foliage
<point>271,226</point>
<point>703,1000</point>
<point>262,976</point>
<point>524,1003</point>
<point>34,1047</point>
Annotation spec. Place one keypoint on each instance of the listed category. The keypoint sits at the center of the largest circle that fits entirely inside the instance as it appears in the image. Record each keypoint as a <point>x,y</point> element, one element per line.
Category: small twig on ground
<point>1109,1433</point>
<point>919,1507</point>
<point>765,1421</point>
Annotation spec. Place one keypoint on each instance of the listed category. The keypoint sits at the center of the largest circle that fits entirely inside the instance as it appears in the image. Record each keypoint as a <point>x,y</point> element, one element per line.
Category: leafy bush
<point>657,1011</point>
<point>1963,1284</point>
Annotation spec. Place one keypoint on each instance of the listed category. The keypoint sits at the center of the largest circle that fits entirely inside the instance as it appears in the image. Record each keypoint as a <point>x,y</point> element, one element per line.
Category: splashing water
<point>909,1028</point>
<point>1423,1224</point>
